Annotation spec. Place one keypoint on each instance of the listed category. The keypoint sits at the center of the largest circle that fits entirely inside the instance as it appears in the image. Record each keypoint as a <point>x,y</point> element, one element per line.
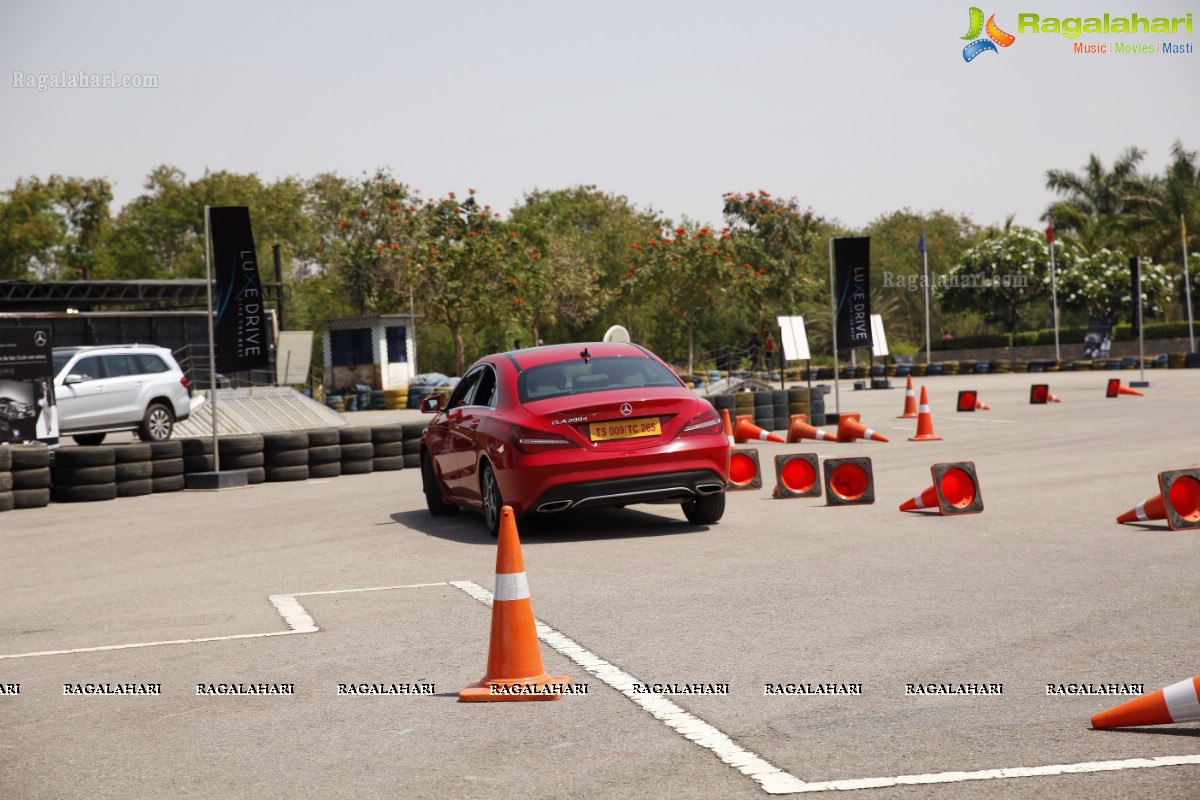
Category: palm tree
<point>1099,204</point>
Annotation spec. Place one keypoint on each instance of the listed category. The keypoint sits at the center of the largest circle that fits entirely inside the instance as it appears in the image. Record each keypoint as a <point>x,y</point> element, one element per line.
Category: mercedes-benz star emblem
<point>626,409</point>
<point>39,338</point>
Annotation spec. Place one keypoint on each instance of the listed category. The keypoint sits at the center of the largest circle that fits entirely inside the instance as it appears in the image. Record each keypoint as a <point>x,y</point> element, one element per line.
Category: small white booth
<point>380,352</point>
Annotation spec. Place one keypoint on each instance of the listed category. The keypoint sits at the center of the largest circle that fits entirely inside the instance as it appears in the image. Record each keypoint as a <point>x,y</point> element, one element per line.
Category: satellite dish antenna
<point>616,333</point>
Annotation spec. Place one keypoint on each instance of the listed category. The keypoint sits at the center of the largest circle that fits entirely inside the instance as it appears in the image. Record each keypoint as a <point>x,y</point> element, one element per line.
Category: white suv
<point>125,387</point>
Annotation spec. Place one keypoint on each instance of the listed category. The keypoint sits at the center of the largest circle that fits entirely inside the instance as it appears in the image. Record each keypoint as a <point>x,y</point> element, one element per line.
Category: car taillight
<point>531,441</point>
<point>184,381</point>
<point>707,422</point>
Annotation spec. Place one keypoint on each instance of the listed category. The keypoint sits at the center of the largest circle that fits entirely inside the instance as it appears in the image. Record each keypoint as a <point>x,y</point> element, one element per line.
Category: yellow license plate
<point>624,429</point>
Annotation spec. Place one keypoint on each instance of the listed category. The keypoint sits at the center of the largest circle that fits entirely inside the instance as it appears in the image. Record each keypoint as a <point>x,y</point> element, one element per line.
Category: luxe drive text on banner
<point>852,259</point>
<point>242,333</point>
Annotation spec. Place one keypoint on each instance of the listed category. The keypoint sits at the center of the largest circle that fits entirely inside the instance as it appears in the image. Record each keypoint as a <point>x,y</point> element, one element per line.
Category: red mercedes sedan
<point>573,426</point>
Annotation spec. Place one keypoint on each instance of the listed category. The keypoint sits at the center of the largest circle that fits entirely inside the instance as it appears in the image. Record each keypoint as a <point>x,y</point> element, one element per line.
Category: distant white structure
<point>617,333</point>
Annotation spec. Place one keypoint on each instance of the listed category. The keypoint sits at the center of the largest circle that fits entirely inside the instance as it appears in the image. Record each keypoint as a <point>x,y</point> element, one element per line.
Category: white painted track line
<point>770,778</point>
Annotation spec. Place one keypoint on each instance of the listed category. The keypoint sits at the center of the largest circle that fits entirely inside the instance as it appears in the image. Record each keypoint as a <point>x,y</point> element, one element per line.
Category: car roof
<point>555,353</point>
<point>81,348</point>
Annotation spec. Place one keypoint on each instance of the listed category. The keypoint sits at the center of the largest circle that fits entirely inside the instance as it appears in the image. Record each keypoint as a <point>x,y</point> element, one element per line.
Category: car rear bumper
<point>660,488</point>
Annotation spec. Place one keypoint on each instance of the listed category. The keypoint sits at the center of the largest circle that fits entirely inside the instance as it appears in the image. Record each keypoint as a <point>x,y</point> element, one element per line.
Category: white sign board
<point>878,339</point>
<point>794,338</point>
<point>293,357</point>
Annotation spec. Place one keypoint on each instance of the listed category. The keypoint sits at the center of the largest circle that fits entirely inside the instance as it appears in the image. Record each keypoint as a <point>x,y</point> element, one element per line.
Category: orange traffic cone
<point>744,472</point>
<point>955,490</point>
<point>1040,394</point>
<point>982,406</point>
<point>850,429</point>
<point>799,429</point>
<point>1179,702</point>
<point>792,420</point>
<point>1115,389</point>
<point>910,402</point>
<point>727,426</point>
<point>747,431</point>
<point>924,422</point>
<point>514,668</point>
<point>1181,506</point>
<point>797,476</point>
<point>849,482</point>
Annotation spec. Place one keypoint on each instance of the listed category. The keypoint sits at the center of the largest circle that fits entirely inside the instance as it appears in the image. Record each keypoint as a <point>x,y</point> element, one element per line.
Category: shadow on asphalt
<point>466,527</point>
<point>1158,731</point>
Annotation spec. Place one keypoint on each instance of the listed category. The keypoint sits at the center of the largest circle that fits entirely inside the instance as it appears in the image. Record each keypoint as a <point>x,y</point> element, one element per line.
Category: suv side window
<point>119,366</point>
<point>89,368</point>
<point>149,364</point>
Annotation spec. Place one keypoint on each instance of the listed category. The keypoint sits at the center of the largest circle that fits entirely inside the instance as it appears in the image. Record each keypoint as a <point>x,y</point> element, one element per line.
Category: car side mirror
<point>431,404</point>
<point>72,378</point>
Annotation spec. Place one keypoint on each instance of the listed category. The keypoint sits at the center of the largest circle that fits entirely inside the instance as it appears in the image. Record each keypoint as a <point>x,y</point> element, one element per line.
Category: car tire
<point>138,487</point>
<point>32,478</point>
<point>31,498</point>
<point>84,476</point>
<point>387,463</point>
<point>88,439</point>
<point>705,510</point>
<point>6,501</point>
<point>323,437</point>
<point>325,469</point>
<point>168,483</point>
<point>291,472</point>
<point>166,467</point>
<point>242,460</point>
<point>74,457</point>
<point>433,493</point>
<point>5,482</point>
<point>241,444</point>
<point>132,453</point>
<point>358,451</point>
<point>493,502</point>
<point>133,471</point>
<point>361,466</point>
<point>157,424</point>
<point>85,493</point>
<point>28,456</point>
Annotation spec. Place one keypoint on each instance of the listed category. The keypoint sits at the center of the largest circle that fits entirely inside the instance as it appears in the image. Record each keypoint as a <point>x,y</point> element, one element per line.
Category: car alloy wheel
<point>492,502</point>
<point>158,424</point>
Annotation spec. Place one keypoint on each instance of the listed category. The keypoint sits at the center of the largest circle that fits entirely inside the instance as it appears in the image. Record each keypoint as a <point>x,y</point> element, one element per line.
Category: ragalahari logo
<point>995,36</point>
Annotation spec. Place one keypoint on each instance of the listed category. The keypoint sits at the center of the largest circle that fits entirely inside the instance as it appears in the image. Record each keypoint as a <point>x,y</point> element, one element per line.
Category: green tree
<point>52,229</point>
<point>1100,284</point>
<point>1099,204</point>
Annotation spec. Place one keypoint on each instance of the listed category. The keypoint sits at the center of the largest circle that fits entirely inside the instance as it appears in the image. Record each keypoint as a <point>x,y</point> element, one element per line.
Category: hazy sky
<point>856,109</point>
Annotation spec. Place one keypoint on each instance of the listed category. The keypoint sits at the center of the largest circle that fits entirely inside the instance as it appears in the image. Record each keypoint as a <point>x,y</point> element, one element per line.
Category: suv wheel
<point>88,439</point>
<point>157,424</point>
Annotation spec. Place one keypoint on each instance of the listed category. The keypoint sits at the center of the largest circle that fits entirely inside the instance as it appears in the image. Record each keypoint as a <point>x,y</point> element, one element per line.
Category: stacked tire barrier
<point>387,443</point>
<point>357,451</point>
<point>133,470</point>
<point>85,474</point>
<point>411,439</point>
<point>816,405</point>
<point>6,495</point>
<point>166,466</point>
<point>285,456</point>
<point>30,475</point>
<point>395,398</point>
<point>324,453</point>
<point>197,455</point>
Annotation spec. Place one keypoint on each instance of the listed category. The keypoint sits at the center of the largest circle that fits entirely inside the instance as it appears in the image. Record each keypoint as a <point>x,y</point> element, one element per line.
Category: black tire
<point>87,493</point>
<point>242,460</point>
<point>135,488</point>
<point>89,439</point>
<point>132,453</point>
<point>411,447</point>
<point>170,483</point>
<point>31,498</point>
<point>289,473</point>
<point>357,451</point>
<point>363,466</point>
<point>240,444</point>
<point>387,433</point>
<point>390,449</point>
<point>412,461</point>
<point>199,463</point>
<point>33,478</point>
<point>84,476</point>
<point>134,471</point>
<point>5,481</point>
<point>705,510</point>
<point>433,492</point>
<point>5,459</point>
<point>168,449</point>
<point>413,430</point>
<point>157,423</point>
<point>286,458</point>
<point>196,447</point>
<point>6,501</point>
<point>325,469</point>
<point>29,456</point>
<point>166,468</point>
<point>324,454</point>
<point>85,457</point>
<point>285,440</point>
<point>356,435</point>
<point>256,475</point>
<point>493,501</point>
<point>323,437</point>
<point>387,463</point>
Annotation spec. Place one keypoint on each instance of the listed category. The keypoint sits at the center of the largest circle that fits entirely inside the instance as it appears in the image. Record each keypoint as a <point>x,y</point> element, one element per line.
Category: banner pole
<point>1187,285</point>
<point>1141,336</point>
<point>1054,296</point>
<point>212,347</point>
<point>925,256</point>
<point>837,395</point>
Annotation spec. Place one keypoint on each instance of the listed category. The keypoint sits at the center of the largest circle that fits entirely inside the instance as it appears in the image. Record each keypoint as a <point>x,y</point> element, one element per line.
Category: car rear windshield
<point>597,375</point>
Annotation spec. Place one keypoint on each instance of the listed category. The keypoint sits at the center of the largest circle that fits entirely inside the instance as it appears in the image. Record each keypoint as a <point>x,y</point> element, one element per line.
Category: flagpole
<point>925,256</point>
<point>1053,289</point>
<point>1187,285</point>
<point>837,396</point>
<point>212,348</point>
<point>1141,338</point>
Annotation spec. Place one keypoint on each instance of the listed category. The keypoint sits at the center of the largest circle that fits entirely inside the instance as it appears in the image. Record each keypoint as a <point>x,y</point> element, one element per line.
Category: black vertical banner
<point>852,260</point>
<point>27,409</point>
<point>1135,285</point>
<point>241,325</point>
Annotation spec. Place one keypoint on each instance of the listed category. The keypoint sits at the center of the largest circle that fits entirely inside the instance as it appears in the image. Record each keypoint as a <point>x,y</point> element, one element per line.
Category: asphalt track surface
<point>1041,588</point>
